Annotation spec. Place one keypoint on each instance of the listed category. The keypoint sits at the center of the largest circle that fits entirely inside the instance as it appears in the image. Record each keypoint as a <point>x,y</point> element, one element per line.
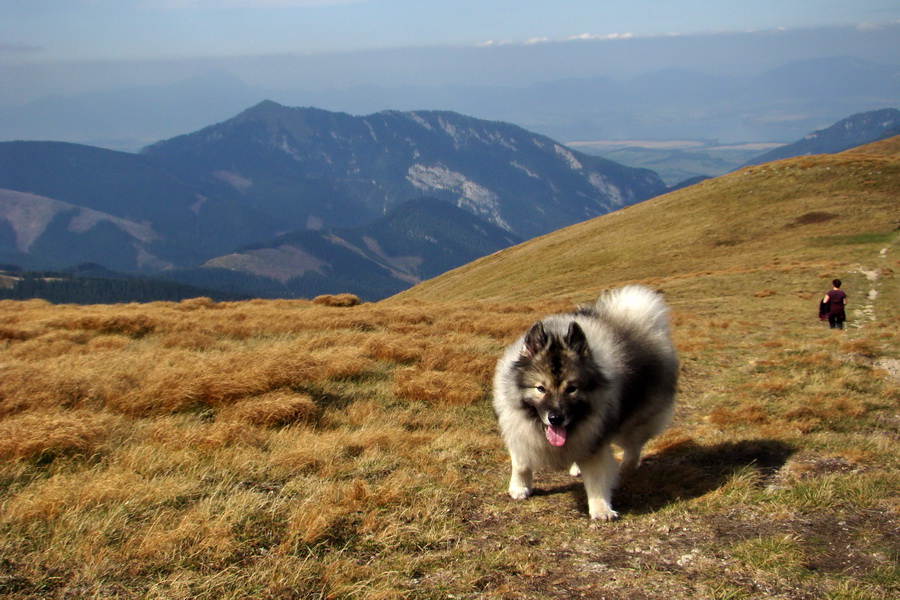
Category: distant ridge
<point>853,131</point>
<point>93,284</point>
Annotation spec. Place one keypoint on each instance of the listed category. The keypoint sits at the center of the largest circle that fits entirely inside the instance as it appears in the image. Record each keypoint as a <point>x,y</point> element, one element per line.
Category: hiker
<point>832,306</point>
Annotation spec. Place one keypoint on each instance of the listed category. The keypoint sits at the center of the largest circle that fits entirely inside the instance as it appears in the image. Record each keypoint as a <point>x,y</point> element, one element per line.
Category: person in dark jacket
<point>834,303</point>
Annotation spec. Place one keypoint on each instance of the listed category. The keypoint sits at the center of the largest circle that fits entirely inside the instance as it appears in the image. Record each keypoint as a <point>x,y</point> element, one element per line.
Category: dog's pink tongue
<point>556,435</point>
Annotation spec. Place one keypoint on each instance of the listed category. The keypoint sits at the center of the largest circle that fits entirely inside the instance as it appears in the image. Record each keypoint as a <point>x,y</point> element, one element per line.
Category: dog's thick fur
<point>576,383</point>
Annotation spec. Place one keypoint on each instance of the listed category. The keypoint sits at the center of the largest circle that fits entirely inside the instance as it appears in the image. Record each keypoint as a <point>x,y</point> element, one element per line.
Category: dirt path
<point>868,309</point>
<point>867,312</point>
<point>891,365</point>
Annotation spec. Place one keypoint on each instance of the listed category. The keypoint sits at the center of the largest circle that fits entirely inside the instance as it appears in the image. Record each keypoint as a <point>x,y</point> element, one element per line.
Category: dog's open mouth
<point>556,435</point>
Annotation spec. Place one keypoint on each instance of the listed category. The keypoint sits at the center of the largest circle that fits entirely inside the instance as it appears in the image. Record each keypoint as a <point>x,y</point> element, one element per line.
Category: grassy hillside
<point>811,214</point>
<point>286,449</point>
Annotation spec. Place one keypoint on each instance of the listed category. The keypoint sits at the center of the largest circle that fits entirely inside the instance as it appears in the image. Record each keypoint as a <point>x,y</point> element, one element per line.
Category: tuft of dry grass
<point>43,435</point>
<point>342,300</point>
<point>273,409</point>
<point>436,387</point>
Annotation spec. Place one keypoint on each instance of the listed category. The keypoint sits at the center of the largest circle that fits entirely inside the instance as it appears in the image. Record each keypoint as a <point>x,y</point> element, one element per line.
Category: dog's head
<point>556,376</point>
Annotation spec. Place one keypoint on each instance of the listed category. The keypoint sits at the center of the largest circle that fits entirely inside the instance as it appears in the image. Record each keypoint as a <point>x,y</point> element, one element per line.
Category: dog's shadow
<point>686,470</point>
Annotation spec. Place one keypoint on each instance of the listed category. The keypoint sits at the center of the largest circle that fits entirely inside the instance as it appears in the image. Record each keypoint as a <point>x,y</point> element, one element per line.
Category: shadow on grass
<point>688,470</point>
<point>683,471</point>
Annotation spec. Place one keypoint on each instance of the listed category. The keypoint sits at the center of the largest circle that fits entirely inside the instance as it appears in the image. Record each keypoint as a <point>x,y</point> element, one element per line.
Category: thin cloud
<point>489,43</point>
<point>219,4</point>
<point>19,48</point>
<point>571,38</point>
<point>607,36</point>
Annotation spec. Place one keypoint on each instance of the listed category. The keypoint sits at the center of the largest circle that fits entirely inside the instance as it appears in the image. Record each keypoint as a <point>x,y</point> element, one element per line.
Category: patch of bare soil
<point>688,556</point>
<point>642,556</point>
<point>891,365</point>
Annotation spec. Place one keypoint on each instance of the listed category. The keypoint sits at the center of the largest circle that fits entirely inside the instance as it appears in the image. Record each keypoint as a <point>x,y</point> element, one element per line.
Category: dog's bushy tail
<point>638,305</point>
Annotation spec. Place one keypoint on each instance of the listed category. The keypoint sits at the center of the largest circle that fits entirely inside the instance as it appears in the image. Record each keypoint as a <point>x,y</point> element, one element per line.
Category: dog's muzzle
<point>556,430</point>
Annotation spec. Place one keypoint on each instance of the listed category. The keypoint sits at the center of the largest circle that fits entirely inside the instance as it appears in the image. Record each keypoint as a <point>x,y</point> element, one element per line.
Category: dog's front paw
<point>604,514</point>
<point>519,493</point>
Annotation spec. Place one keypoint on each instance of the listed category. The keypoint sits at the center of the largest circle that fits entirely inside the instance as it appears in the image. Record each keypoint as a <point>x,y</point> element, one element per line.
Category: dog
<point>576,383</point>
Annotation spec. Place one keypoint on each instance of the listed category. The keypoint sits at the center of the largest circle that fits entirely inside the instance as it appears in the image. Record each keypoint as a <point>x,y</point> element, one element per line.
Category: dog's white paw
<point>575,470</point>
<point>519,493</point>
<point>606,514</point>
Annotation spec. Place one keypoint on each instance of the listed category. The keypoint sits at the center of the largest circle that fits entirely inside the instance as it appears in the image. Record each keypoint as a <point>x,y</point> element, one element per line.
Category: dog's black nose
<point>556,419</point>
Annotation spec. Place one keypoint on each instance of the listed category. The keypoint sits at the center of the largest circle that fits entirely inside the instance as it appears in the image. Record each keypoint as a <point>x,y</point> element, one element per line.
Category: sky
<point>50,31</point>
<point>205,60</point>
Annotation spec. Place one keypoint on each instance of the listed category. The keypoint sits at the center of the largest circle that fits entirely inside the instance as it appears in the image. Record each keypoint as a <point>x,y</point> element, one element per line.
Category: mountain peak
<point>342,170</point>
<point>264,107</point>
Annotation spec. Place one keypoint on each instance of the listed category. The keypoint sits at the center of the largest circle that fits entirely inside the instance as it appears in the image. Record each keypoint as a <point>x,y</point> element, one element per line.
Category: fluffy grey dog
<point>576,383</point>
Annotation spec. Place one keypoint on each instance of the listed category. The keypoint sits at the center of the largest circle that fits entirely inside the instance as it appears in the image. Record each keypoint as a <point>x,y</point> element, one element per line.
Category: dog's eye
<point>571,389</point>
<point>540,389</point>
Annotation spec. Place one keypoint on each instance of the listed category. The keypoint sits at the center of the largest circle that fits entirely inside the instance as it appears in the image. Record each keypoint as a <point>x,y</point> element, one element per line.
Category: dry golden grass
<point>290,449</point>
<point>273,409</point>
<point>330,455</point>
<point>337,300</point>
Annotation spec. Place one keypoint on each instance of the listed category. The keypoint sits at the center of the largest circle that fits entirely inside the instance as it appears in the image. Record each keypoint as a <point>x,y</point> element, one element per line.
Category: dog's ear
<point>576,340</point>
<point>535,340</point>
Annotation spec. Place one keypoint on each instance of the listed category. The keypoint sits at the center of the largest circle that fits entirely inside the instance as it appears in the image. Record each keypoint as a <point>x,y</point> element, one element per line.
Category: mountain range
<point>301,201</point>
<point>311,168</point>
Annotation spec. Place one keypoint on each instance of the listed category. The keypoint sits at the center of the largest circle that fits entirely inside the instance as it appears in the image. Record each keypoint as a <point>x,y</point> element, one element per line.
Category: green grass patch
<point>883,237</point>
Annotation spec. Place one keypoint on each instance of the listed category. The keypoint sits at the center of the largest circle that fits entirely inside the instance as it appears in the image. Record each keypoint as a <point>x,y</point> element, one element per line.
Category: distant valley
<point>679,161</point>
<point>676,161</point>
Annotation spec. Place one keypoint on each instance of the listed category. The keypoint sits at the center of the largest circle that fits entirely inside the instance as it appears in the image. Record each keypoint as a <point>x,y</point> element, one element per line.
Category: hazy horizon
<point>59,62</point>
<point>90,45</point>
